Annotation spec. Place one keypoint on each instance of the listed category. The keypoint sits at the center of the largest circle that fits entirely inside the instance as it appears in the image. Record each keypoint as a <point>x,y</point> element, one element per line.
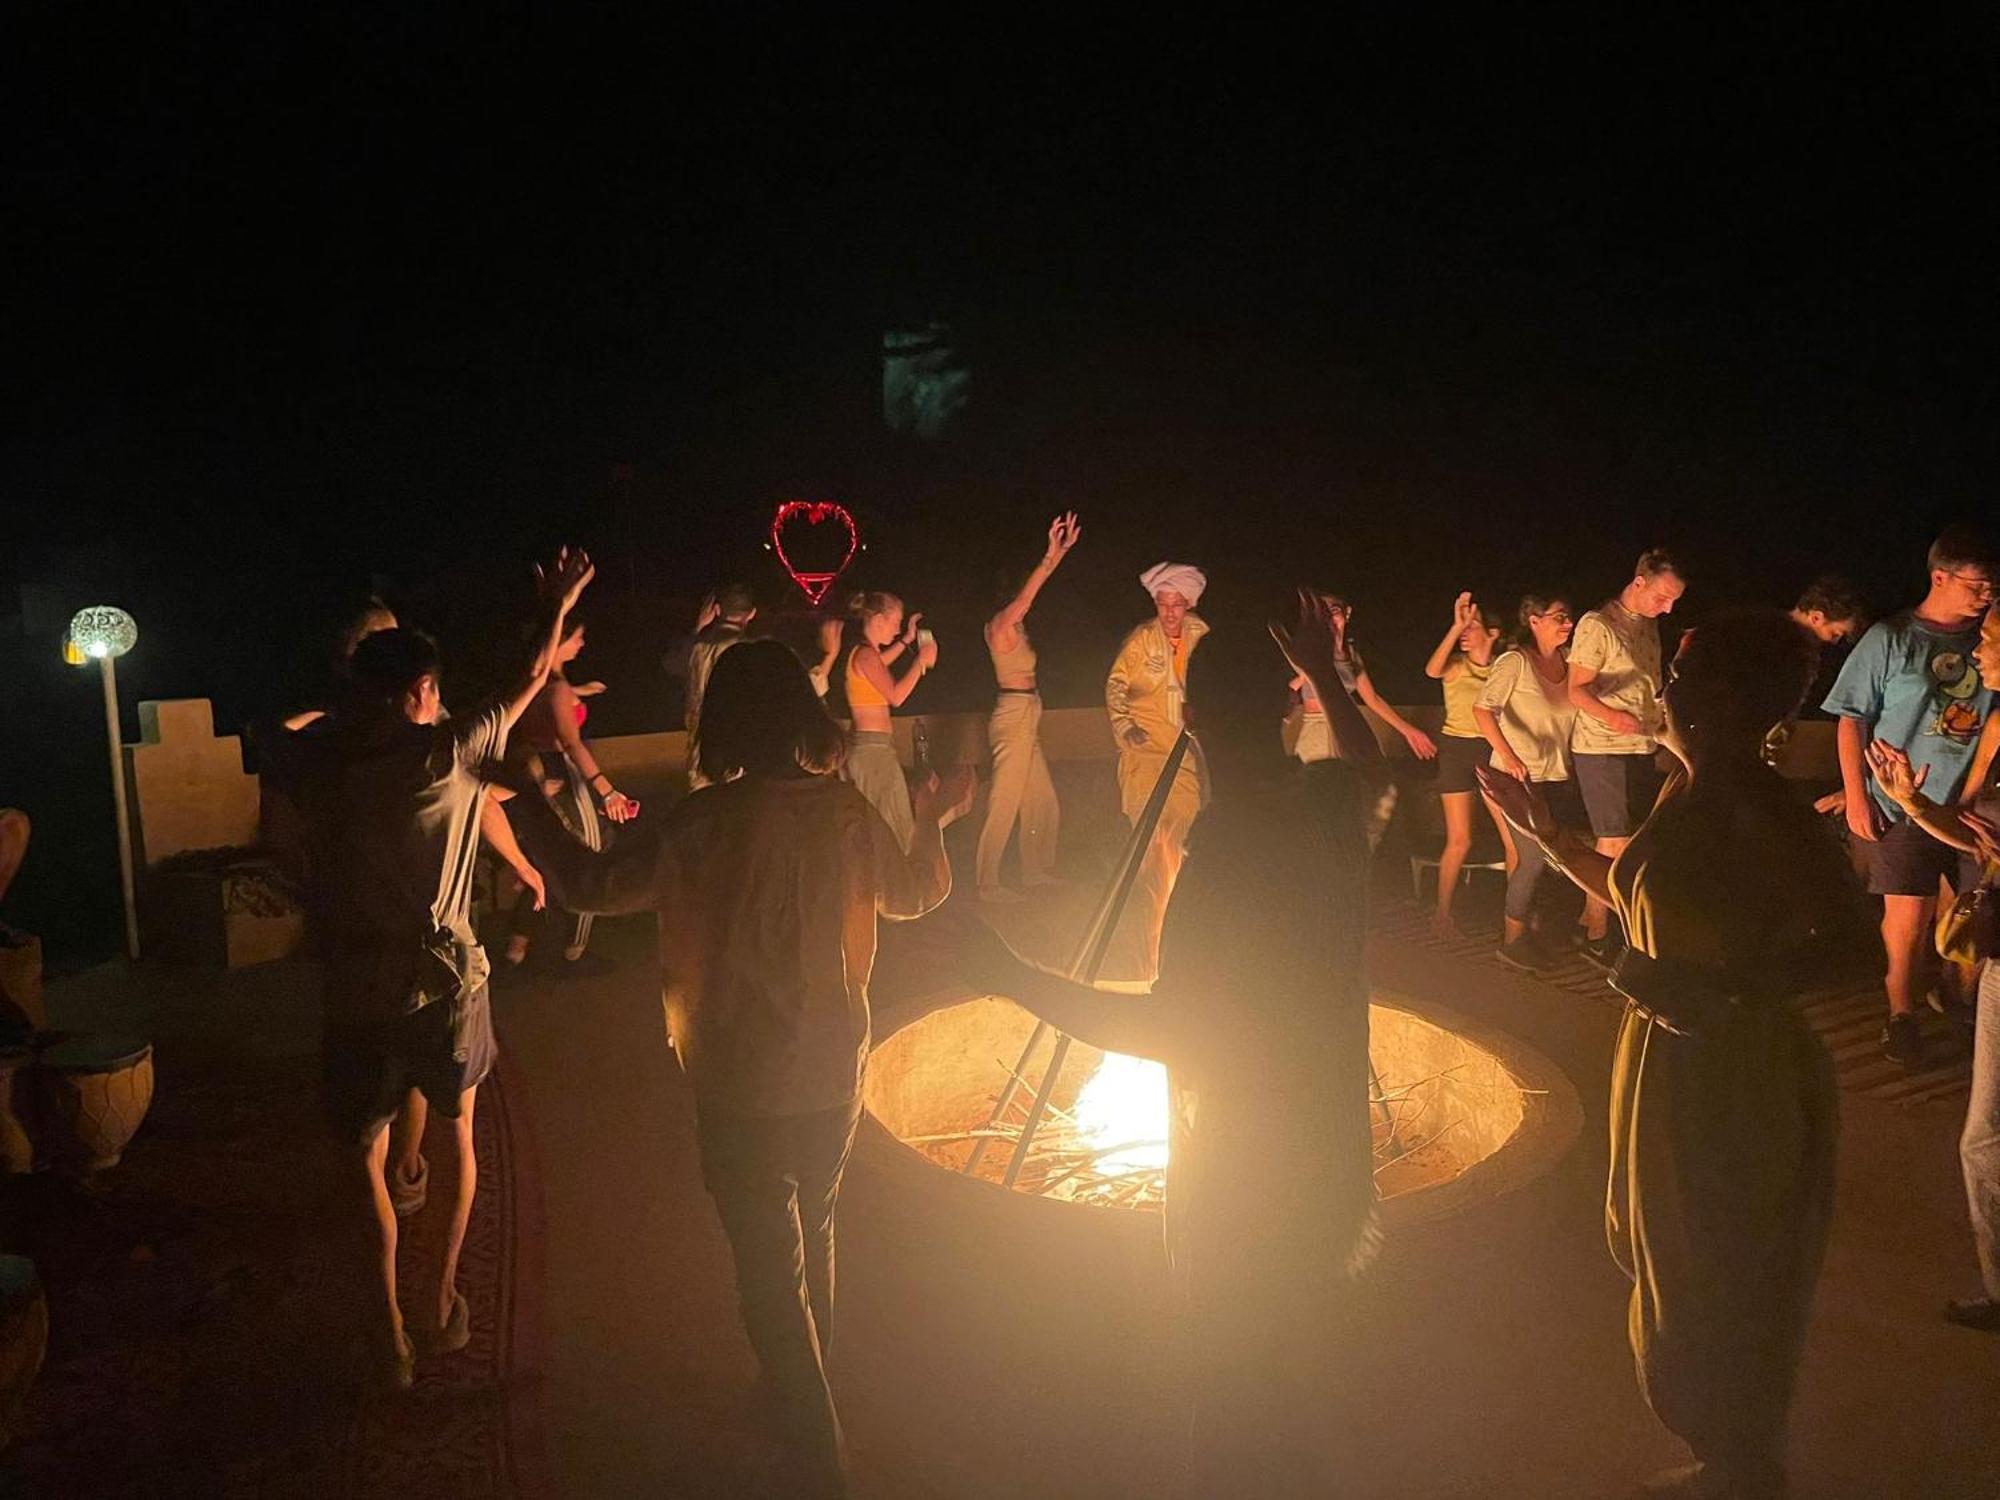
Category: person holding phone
<point>871,766</point>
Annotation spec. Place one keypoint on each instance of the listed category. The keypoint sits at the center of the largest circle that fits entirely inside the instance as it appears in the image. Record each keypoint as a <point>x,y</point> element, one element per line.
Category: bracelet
<point>600,776</point>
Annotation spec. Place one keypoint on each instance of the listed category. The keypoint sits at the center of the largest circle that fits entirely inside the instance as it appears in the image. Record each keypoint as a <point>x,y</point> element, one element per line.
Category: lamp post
<point>103,634</point>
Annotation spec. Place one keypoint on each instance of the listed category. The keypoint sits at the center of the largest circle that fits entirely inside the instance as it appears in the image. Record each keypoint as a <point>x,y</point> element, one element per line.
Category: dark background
<point>302,305</point>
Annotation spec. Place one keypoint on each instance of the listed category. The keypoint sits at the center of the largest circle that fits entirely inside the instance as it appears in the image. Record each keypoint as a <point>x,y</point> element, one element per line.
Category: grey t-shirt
<point>1623,649</point>
<point>403,828</point>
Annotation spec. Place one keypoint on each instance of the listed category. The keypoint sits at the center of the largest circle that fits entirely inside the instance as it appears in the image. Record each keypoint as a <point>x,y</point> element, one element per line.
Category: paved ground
<point>995,1352</point>
<point>986,1351</point>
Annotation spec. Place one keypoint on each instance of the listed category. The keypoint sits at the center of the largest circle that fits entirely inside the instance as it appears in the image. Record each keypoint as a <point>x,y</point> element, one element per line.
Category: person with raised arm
<point>773,1033</point>
<point>1735,899</point>
<point>562,765</point>
<point>1260,1014</point>
<point>1021,790</point>
<point>1523,710</point>
<point>886,635</point>
<point>397,792</point>
<point>1461,662</point>
<point>1143,694</point>
<point>1315,738</point>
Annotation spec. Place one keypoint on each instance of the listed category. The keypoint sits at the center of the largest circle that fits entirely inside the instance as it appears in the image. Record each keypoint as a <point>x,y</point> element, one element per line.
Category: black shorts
<point>367,1068</point>
<point>1458,758</point>
<point>1906,861</point>
<point>1618,791</point>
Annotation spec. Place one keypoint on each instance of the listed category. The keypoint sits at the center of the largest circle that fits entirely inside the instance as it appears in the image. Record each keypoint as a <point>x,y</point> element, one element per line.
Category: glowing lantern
<point>102,634</point>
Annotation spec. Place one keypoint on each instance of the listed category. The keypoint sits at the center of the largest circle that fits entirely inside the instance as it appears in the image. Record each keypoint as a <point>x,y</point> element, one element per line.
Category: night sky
<point>307,304</point>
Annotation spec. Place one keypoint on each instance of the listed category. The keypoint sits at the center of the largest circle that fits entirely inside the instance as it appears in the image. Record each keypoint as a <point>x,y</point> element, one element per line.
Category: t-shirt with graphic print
<point>1916,687</point>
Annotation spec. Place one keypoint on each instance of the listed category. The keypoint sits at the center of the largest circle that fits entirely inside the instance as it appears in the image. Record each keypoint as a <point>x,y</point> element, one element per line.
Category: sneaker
<point>1526,955</point>
<point>1603,951</point>
<point>1903,1041</point>
<point>1980,1313</point>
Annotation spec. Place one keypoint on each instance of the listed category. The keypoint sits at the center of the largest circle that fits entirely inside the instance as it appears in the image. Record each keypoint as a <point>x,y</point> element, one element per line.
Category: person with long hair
<point>1524,712</point>
<point>1462,662</point>
<point>773,1033</point>
<point>559,762</point>
<point>1021,790</point>
<point>885,635</point>
<point>1723,1108</point>
<point>1260,1014</point>
<point>724,621</point>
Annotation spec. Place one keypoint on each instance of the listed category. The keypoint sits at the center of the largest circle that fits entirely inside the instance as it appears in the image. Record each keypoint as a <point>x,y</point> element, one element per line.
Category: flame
<point>1122,1111</point>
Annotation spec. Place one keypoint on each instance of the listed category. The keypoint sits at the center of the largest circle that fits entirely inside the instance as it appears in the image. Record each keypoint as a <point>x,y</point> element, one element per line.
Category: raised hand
<point>927,652</point>
<point>1063,533</point>
<point>563,580</point>
<point>910,623</point>
<point>831,633</point>
<point>1462,611</point>
<point>1309,641</point>
<point>708,614</point>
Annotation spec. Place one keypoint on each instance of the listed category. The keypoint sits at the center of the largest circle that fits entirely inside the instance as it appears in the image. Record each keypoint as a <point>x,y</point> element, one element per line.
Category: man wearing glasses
<point>1911,683</point>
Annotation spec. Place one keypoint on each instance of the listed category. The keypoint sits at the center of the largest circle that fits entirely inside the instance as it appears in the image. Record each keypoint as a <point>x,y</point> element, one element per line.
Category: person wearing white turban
<point>1144,694</point>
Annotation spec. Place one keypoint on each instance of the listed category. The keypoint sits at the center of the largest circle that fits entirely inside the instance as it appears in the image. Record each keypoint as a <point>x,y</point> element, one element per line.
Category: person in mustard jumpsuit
<point>1723,1111</point>
<point>1144,695</point>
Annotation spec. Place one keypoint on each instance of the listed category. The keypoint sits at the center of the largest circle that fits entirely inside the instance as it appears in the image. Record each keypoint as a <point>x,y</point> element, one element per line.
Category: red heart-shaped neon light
<point>802,518</point>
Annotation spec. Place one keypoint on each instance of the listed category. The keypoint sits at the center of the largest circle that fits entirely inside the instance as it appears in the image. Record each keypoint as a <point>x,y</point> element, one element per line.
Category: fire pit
<point>1461,1113</point>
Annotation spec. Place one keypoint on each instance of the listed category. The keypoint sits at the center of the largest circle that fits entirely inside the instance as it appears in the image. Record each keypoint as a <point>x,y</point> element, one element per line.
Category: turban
<point>1184,579</point>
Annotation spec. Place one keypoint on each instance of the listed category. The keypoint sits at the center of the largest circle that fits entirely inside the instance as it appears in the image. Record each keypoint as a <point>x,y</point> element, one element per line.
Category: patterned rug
<point>1847,1017</point>
<point>203,1313</point>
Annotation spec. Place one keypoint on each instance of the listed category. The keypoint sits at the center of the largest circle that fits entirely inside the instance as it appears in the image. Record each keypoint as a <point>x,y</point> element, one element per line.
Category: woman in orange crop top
<point>1021,789</point>
<point>872,690</point>
<point>549,739</point>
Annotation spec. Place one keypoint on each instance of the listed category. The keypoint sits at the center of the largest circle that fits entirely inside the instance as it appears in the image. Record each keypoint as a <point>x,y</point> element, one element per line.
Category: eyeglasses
<point>1559,616</point>
<point>1985,588</point>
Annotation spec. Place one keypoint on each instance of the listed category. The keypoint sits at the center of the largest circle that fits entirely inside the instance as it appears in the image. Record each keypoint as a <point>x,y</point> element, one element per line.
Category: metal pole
<point>110,676</point>
<point>1097,942</point>
<point>1096,938</point>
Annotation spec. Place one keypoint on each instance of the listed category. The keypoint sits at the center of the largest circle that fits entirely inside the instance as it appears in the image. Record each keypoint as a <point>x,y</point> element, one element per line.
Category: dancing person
<point>1975,831</point>
<point>1260,1013</point>
<point>1734,899</point>
<point>1462,664</point>
<point>1614,685</point>
<point>1315,740</point>
<point>872,690</point>
<point>560,764</point>
<point>1021,789</point>
<point>395,791</point>
<point>774,1033</point>
<point>372,617</point>
<point>1143,693</point>
<point>1524,712</point>
<point>1910,680</point>
<point>725,620</point>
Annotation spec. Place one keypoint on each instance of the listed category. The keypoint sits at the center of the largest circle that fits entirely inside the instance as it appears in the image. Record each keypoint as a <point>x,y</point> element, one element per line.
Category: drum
<point>17,1098</point>
<point>94,1092</point>
<point>24,1337</point>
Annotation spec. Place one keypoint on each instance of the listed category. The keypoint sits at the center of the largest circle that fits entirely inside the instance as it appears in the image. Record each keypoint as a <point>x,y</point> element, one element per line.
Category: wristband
<point>600,776</point>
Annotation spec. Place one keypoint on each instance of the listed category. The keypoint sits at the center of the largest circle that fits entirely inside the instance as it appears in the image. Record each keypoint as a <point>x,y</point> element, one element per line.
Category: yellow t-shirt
<point>1463,679</point>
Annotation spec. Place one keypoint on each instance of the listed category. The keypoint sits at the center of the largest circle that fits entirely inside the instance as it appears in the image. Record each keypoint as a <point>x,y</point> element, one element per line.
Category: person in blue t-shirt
<point>1911,683</point>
